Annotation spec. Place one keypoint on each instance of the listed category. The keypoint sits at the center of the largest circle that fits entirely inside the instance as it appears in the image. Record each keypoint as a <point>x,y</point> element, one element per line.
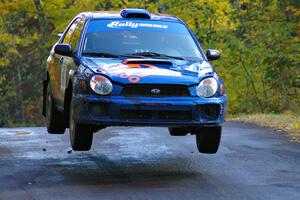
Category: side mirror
<point>213,54</point>
<point>63,49</point>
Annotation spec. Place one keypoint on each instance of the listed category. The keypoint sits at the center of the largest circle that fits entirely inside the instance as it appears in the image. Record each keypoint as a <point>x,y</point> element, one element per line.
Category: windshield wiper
<point>153,54</point>
<point>100,54</point>
<point>133,55</point>
<point>110,55</point>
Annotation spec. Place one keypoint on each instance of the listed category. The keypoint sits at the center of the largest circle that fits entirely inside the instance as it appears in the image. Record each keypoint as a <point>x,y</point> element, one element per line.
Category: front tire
<point>208,139</point>
<point>55,121</point>
<point>81,136</point>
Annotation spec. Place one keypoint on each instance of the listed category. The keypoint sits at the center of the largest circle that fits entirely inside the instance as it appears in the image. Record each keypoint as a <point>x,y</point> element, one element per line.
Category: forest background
<point>259,41</point>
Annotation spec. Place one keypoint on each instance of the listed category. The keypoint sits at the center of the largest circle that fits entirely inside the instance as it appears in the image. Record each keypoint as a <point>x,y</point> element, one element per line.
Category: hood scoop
<point>148,62</point>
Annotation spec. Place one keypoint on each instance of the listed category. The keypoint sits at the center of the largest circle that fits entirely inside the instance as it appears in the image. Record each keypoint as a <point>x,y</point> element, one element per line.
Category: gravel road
<point>146,163</point>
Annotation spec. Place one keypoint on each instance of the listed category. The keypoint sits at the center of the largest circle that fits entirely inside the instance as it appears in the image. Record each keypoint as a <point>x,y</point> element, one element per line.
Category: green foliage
<point>259,41</point>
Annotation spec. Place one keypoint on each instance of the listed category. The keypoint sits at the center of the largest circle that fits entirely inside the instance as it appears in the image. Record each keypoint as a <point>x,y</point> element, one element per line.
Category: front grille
<point>175,115</point>
<point>156,90</point>
<point>159,115</point>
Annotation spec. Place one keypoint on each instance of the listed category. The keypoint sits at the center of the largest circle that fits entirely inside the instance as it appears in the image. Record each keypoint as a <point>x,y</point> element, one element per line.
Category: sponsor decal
<point>81,68</point>
<point>117,24</point>
<point>63,76</point>
<point>152,72</point>
<point>202,69</point>
<point>134,72</point>
<point>205,71</point>
<point>134,79</point>
<point>87,72</point>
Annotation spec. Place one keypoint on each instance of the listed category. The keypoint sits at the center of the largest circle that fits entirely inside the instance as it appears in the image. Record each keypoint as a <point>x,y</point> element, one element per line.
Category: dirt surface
<point>146,163</point>
<point>286,122</point>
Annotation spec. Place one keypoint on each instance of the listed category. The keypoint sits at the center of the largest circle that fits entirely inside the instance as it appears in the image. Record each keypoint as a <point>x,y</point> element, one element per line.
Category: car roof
<point>94,15</point>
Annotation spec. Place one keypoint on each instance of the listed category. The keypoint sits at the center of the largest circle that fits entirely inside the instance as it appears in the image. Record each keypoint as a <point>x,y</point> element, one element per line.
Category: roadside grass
<point>287,122</point>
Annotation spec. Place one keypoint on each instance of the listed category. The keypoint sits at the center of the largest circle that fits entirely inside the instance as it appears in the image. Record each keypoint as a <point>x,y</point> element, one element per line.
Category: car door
<point>62,63</point>
<point>68,62</point>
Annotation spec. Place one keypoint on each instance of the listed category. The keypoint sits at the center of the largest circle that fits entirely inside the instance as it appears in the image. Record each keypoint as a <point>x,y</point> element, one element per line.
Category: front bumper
<point>149,111</point>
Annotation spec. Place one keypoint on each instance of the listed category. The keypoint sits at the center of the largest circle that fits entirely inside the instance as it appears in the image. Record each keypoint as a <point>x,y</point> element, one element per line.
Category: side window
<point>70,31</point>
<point>76,35</point>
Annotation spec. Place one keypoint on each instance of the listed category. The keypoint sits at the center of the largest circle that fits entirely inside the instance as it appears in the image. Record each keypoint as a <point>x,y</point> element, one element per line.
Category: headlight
<point>101,85</point>
<point>207,87</point>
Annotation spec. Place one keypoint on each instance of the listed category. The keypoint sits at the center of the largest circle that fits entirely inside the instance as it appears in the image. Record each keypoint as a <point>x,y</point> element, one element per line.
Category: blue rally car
<point>132,68</point>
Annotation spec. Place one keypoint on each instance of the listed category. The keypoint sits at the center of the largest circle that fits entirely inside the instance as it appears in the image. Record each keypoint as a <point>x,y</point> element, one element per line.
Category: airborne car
<point>132,68</point>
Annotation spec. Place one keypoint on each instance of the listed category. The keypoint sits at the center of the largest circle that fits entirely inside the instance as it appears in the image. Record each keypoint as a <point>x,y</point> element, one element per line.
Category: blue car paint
<point>115,103</point>
<point>191,74</point>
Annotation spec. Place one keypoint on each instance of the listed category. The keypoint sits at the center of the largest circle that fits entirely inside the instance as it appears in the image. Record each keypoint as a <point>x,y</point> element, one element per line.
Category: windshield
<point>144,38</point>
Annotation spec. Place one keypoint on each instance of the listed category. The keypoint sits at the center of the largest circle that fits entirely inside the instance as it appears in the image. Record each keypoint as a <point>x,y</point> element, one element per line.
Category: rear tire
<point>208,139</point>
<point>81,136</point>
<point>55,121</point>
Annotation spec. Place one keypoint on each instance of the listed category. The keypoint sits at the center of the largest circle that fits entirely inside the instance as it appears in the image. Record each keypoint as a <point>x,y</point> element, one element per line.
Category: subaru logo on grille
<point>155,91</point>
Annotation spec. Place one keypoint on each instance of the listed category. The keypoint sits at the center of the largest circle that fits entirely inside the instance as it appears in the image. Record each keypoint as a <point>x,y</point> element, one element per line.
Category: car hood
<point>149,71</point>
